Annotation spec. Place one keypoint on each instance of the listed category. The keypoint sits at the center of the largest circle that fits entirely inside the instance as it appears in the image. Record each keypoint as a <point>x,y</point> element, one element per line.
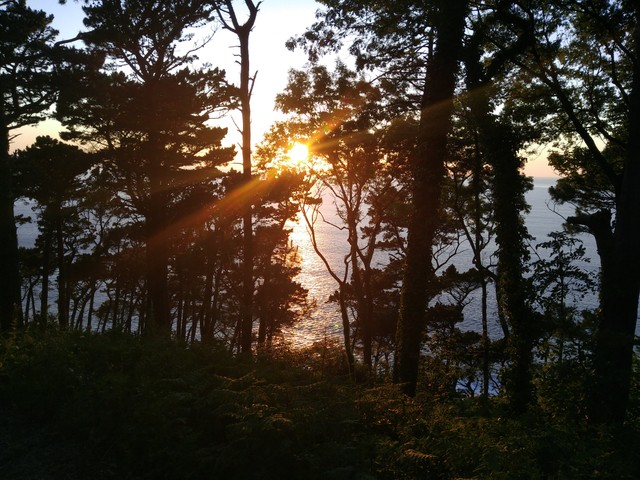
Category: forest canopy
<point>410,123</point>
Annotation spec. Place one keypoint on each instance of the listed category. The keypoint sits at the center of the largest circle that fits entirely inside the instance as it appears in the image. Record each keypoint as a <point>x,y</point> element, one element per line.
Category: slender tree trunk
<point>247,218</point>
<point>63,303</point>
<point>346,329</point>
<point>478,240</point>
<point>367,327</point>
<point>205,311</point>
<point>28,300</point>
<point>364,319</point>
<point>194,320</point>
<point>10,298</point>
<point>262,306</point>
<point>242,31</point>
<point>92,297</point>
<point>428,173</point>
<point>478,245</point>
<point>158,319</point>
<point>486,343</point>
<point>80,322</point>
<point>132,308</point>
<point>115,309</point>
<point>215,312</point>
<point>44,294</point>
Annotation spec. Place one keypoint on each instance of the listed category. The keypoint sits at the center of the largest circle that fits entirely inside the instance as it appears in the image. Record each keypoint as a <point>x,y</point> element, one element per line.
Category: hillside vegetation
<point>110,406</point>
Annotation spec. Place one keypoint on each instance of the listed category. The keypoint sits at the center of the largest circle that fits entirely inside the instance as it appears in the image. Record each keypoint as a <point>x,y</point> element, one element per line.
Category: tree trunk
<point>621,278</point>
<point>157,248</point>
<point>44,294</point>
<point>364,314</point>
<point>242,31</point>
<point>500,150</point>
<point>247,218</point>
<point>346,330</point>
<point>511,235</point>
<point>428,173</point>
<point>63,303</point>
<point>205,311</point>
<point>10,301</point>
<point>477,260</point>
<point>92,297</point>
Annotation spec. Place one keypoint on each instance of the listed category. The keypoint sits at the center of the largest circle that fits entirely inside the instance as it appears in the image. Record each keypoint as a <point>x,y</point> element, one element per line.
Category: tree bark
<point>63,301</point>
<point>620,280</point>
<point>428,173</point>
<point>511,235</point>
<point>246,86</point>
<point>157,242</point>
<point>499,146</point>
<point>10,301</point>
<point>158,320</point>
<point>44,294</point>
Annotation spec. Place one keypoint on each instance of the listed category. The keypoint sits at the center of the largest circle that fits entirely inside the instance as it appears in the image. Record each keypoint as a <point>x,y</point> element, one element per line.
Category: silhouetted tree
<point>150,122</point>
<point>228,15</point>
<point>27,90</point>
<point>590,86</point>
<point>49,173</point>
<point>349,165</point>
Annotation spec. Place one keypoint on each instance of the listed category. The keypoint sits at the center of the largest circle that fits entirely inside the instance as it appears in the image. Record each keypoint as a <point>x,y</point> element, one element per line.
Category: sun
<point>298,155</point>
<point>301,160</point>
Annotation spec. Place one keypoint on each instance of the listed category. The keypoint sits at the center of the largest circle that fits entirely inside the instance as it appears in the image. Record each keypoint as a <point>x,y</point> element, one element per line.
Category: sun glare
<point>298,158</point>
<point>299,155</point>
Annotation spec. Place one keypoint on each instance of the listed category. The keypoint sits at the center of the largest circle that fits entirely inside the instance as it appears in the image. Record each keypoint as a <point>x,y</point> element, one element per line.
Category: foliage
<point>350,165</point>
<point>115,406</point>
<point>29,77</point>
<point>420,147</point>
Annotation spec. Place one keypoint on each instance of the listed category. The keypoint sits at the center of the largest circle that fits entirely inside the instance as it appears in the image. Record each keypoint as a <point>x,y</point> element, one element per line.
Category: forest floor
<point>111,406</point>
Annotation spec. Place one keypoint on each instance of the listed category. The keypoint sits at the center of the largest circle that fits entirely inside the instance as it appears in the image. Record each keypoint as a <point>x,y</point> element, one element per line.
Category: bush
<point>115,406</point>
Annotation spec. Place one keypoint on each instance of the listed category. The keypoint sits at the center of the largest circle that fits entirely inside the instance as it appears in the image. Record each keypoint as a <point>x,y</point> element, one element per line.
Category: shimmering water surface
<point>543,218</point>
<point>325,321</point>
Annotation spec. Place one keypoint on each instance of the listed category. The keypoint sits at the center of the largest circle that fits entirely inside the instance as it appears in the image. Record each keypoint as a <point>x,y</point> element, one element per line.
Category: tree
<point>48,172</point>
<point>500,143</point>
<point>229,18</point>
<point>27,90</point>
<point>150,122</point>
<point>582,65</point>
<point>335,114</point>
<point>428,172</point>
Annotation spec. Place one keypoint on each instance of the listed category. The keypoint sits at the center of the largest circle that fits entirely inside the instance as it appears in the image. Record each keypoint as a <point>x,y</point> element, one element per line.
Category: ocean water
<point>543,218</point>
<point>325,321</point>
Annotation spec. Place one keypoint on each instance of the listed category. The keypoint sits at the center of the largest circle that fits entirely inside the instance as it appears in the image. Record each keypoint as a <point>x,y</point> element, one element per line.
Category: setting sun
<point>299,154</point>
<point>300,159</point>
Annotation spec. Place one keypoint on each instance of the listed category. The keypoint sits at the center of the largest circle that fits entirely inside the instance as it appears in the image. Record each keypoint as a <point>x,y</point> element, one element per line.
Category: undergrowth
<point>110,406</point>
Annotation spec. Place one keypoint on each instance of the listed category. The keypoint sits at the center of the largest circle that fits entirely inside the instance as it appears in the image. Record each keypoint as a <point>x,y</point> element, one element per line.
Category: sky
<point>277,21</point>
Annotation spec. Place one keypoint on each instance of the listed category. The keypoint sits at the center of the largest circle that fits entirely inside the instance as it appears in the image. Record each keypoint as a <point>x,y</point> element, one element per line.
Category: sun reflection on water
<point>324,321</point>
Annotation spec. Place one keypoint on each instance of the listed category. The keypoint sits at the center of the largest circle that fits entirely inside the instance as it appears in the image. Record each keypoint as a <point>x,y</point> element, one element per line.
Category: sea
<point>324,322</point>
<point>544,217</point>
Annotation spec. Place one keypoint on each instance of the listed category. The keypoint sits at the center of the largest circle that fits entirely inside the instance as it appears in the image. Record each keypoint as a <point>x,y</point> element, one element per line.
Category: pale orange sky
<point>277,21</point>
